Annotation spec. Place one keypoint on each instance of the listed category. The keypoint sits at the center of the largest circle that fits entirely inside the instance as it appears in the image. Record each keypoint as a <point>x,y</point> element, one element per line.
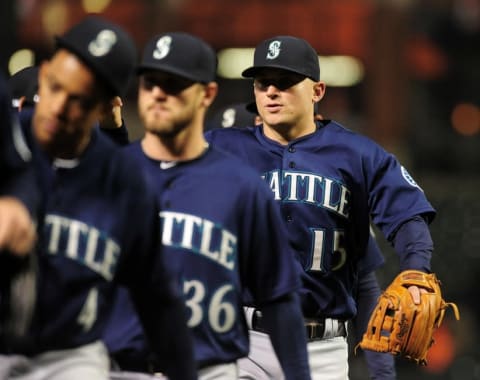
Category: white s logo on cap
<point>228,118</point>
<point>273,49</point>
<point>163,47</point>
<point>103,43</point>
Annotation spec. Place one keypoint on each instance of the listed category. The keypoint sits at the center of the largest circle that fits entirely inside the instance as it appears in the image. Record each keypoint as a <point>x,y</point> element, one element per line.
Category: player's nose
<point>271,90</point>
<point>158,92</point>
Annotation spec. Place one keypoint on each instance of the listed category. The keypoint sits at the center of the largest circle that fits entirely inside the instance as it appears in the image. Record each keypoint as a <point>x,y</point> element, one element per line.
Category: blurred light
<point>341,70</point>
<point>441,355</point>
<point>54,17</point>
<point>20,59</point>
<point>95,6</point>
<point>466,119</point>
<point>232,61</point>
<point>337,71</point>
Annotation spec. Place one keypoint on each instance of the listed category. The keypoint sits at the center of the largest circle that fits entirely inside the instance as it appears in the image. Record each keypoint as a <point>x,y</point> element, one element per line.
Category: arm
<point>18,190</point>
<point>113,124</point>
<point>414,245</point>
<point>282,318</point>
<point>162,312</point>
<point>164,322</point>
<point>380,365</point>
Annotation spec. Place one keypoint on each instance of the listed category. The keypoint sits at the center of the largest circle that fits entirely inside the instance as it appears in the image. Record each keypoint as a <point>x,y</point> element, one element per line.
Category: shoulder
<point>230,165</point>
<point>229,133</point>
<point>233,170</point>
<point>343,138</point>
<point>123,168</point>
<point>330,127</point>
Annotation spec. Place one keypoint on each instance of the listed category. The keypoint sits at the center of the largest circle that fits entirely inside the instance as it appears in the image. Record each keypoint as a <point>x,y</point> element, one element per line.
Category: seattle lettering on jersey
<point>199,235</point>
<point>292,186</point>
<point>85,244</point>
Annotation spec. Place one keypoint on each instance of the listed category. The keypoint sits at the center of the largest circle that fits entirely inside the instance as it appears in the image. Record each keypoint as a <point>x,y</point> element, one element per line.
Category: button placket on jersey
<point>291,164</point>
<point>166,201</point>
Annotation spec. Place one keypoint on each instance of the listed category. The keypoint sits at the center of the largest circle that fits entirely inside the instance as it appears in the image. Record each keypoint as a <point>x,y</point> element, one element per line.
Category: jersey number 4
<point>88,314</point>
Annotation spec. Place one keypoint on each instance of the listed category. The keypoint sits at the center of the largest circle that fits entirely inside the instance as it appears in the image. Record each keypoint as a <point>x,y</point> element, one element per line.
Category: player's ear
<point>319,89</point>
<point>211,91</point>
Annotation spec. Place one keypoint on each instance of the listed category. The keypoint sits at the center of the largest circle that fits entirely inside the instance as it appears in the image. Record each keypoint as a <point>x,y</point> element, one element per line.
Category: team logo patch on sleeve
<point>408,177</point>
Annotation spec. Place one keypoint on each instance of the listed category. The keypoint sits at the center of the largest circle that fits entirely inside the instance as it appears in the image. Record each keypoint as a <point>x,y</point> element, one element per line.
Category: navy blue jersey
<point>99,228</point>
<point>220,235</point>
<point>328,185</point>
<point>15,156</point>
<point>373,258</point>
<point>13,152</point>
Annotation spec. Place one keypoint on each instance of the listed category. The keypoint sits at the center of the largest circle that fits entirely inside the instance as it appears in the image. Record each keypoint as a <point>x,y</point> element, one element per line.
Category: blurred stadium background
<point>404,72</point>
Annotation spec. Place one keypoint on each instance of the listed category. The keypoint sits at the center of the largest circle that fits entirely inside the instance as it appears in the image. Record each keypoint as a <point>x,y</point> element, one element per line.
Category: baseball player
<point>329,183</point>
<point>99,222</point>
<point>379,365</point>
<point>219,218</point>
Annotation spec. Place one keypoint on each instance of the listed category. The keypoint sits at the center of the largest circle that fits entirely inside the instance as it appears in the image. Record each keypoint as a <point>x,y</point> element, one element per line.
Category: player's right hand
<point>113,119</point>
<point>17,230</point>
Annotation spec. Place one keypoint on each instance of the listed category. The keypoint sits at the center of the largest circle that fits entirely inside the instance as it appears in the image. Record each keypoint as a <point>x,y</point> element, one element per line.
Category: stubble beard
<point>164,129</point>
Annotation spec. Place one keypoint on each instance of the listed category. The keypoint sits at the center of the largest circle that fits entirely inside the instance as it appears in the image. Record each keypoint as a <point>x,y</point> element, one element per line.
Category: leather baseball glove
<point>401,327</point>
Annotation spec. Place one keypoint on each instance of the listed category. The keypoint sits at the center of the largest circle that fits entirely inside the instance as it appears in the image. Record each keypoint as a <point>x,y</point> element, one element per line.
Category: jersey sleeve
<point>394,196</point>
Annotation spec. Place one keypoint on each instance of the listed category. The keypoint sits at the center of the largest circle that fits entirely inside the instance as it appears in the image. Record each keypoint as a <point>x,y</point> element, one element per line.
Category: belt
<point>316,328</point>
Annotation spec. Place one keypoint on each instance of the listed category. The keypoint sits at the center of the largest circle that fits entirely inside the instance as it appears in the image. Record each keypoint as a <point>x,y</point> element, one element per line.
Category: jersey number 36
<point>220,313</point>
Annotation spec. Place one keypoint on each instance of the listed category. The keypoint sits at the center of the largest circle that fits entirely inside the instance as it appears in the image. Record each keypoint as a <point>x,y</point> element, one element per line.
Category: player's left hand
<point>416,293</point>
<point>114,119</point>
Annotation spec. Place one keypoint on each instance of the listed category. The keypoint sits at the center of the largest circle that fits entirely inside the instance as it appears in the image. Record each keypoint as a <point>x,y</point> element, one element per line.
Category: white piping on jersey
<point>19,142</point>
<point>167,164</point>
<point>63,163</point>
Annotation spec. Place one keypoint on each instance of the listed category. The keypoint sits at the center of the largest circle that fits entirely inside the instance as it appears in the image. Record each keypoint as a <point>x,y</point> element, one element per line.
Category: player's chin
<point>157,128</point>
<point>275,121</point>
<point>44,134</point>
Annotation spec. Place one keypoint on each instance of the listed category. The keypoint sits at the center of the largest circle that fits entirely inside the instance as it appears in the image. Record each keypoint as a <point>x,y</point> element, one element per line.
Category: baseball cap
<point>233,115</point>
<point>181,54</point>
<point>24,83</point>
<point>105,48</point>
<point>287,53</point>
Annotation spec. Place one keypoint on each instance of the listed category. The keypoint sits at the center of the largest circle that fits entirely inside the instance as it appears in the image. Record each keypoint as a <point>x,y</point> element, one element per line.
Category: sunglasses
<point>170,84</point>
<point>282,82</point>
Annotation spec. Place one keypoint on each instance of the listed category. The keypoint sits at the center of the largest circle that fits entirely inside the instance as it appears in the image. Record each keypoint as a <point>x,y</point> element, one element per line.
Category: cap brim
<point>252,71</point>
<point>168,69</point>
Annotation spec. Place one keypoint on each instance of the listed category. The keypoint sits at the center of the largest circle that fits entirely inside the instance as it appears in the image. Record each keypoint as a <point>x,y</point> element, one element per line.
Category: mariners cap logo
<point>228,117</point>
<point>273,49</point>
<point>103,43</point>
<point>162,47</point>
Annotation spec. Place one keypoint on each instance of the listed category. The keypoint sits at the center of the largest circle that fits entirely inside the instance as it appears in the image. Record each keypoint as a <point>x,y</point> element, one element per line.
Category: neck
<point>184,146</point>
<point>69,151</point>
<point>283,134</point>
